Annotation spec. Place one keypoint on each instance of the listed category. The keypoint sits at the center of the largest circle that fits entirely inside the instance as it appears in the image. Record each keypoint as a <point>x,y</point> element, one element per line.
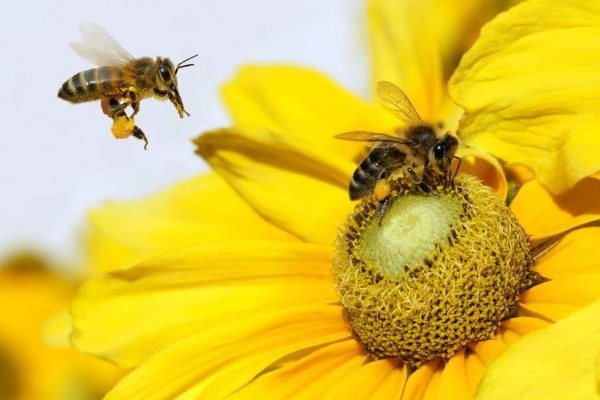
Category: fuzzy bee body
<point>121,80</point>
<point>382,158</point>
<point>419,147</point>
<point>93,84</point>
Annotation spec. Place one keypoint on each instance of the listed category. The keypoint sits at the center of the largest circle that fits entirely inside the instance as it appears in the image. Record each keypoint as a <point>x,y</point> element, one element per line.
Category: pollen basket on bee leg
<point>122,127</point>
<point>382,189</point>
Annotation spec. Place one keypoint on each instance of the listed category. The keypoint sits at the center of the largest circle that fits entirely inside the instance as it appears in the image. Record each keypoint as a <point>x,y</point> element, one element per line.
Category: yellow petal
<point>417,45</point>
<point>524,325</point>
<point>309,377</point>
<point>292,185</point>
<point>479,355</point>
<point>529,87</point>
<point>201,209</point>
<point>557,299</point>
<point>223,358</point>
<point>301,105</point>
<point>475,368</point>
<point>509,336</point>
<point>487,350</point>
<point>432,390</point>
<point>576,253</point>
<point>543,215</point>
<point>554,363</point>
<point>191,289</point>
<point>518,174</point>
<point>405,52</point>
<point>485,167</point>
<point>382,378</point>
<point>457,25</point>
<point>424,378</point>
<point>453,379</point>
<point>57,330</point>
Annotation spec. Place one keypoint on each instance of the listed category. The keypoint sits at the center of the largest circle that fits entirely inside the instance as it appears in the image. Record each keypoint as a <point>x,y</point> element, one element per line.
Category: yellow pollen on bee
<point>382,189</point>
<point>122,127</point>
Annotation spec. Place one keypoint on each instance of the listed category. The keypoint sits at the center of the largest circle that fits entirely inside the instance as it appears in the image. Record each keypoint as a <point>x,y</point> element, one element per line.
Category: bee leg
<point>382,189</point>
<point>131,99</point>
<point>136,107</point>
<point>424,187</point>
<point>161,93</point>
<point>124,126</point>
<point>418,180</point>
<point>447,179</point>
<point>137,132</point>
<point>176,100</point>
<point>115,109</point>
<point>382,208</point>
<point>173,98</point>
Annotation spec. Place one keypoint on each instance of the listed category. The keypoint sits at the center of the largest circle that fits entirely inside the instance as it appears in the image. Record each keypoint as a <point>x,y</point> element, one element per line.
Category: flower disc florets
<point>434,272</point>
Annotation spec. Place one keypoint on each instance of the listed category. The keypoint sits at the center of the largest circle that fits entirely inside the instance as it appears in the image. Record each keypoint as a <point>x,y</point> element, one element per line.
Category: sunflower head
<point>433,273</point>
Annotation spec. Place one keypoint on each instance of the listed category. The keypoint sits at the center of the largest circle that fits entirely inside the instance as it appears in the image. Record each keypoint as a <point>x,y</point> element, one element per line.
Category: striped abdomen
<point>375,166</point>
<point>92,85</point>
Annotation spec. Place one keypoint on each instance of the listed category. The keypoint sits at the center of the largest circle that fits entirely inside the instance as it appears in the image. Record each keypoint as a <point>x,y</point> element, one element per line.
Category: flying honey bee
<point>419,147</point>
<point>121,80</point>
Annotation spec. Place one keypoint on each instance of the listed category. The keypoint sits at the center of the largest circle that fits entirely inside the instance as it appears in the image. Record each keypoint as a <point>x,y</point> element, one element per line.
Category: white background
<point>58,160</point>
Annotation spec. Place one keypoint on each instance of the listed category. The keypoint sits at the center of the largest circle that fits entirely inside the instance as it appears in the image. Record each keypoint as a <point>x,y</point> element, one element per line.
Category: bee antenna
<point>457,167</point>
<point>179,66</point>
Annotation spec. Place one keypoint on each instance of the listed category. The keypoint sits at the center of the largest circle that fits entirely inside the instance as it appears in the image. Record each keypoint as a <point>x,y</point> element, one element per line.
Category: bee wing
<point>364,136</point>
<point>99,47</point>
<point>395,101</point>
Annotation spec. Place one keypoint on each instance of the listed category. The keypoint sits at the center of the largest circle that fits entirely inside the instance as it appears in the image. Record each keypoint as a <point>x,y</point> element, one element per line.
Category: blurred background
<point>58,160</point>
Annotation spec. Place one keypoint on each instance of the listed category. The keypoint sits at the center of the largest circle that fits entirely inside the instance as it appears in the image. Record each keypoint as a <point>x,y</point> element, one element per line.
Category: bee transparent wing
<point>364,136</point>
<point>395,101</point>
<point>99,47</point>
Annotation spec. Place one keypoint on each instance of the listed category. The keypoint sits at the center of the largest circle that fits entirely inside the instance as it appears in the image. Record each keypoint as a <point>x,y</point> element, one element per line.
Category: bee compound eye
<point>439,151</point>
<point>164,73</point>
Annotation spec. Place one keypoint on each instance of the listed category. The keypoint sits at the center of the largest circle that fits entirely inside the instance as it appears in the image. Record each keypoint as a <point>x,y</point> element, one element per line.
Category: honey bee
<point>121,80</point>
<point>419,147</point>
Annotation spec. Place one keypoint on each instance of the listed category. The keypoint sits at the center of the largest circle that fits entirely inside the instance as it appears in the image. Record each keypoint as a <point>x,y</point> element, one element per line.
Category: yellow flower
<point>30,294</point>
<point>536,85</point>
<point>565,356</point>
<point>221,286</point>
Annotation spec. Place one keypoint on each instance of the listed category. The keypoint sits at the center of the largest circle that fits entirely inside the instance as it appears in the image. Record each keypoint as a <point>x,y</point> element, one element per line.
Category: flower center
<point>428,273</point>
<point>408,232</point>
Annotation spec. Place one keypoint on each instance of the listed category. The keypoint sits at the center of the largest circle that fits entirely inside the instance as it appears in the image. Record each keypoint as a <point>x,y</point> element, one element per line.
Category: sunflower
<point>222,286</point>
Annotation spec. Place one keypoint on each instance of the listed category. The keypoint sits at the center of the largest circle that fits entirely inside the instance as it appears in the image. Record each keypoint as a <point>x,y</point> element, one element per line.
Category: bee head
<point>166,80</point>
<point>443,151</point>
<point>166,75</point>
